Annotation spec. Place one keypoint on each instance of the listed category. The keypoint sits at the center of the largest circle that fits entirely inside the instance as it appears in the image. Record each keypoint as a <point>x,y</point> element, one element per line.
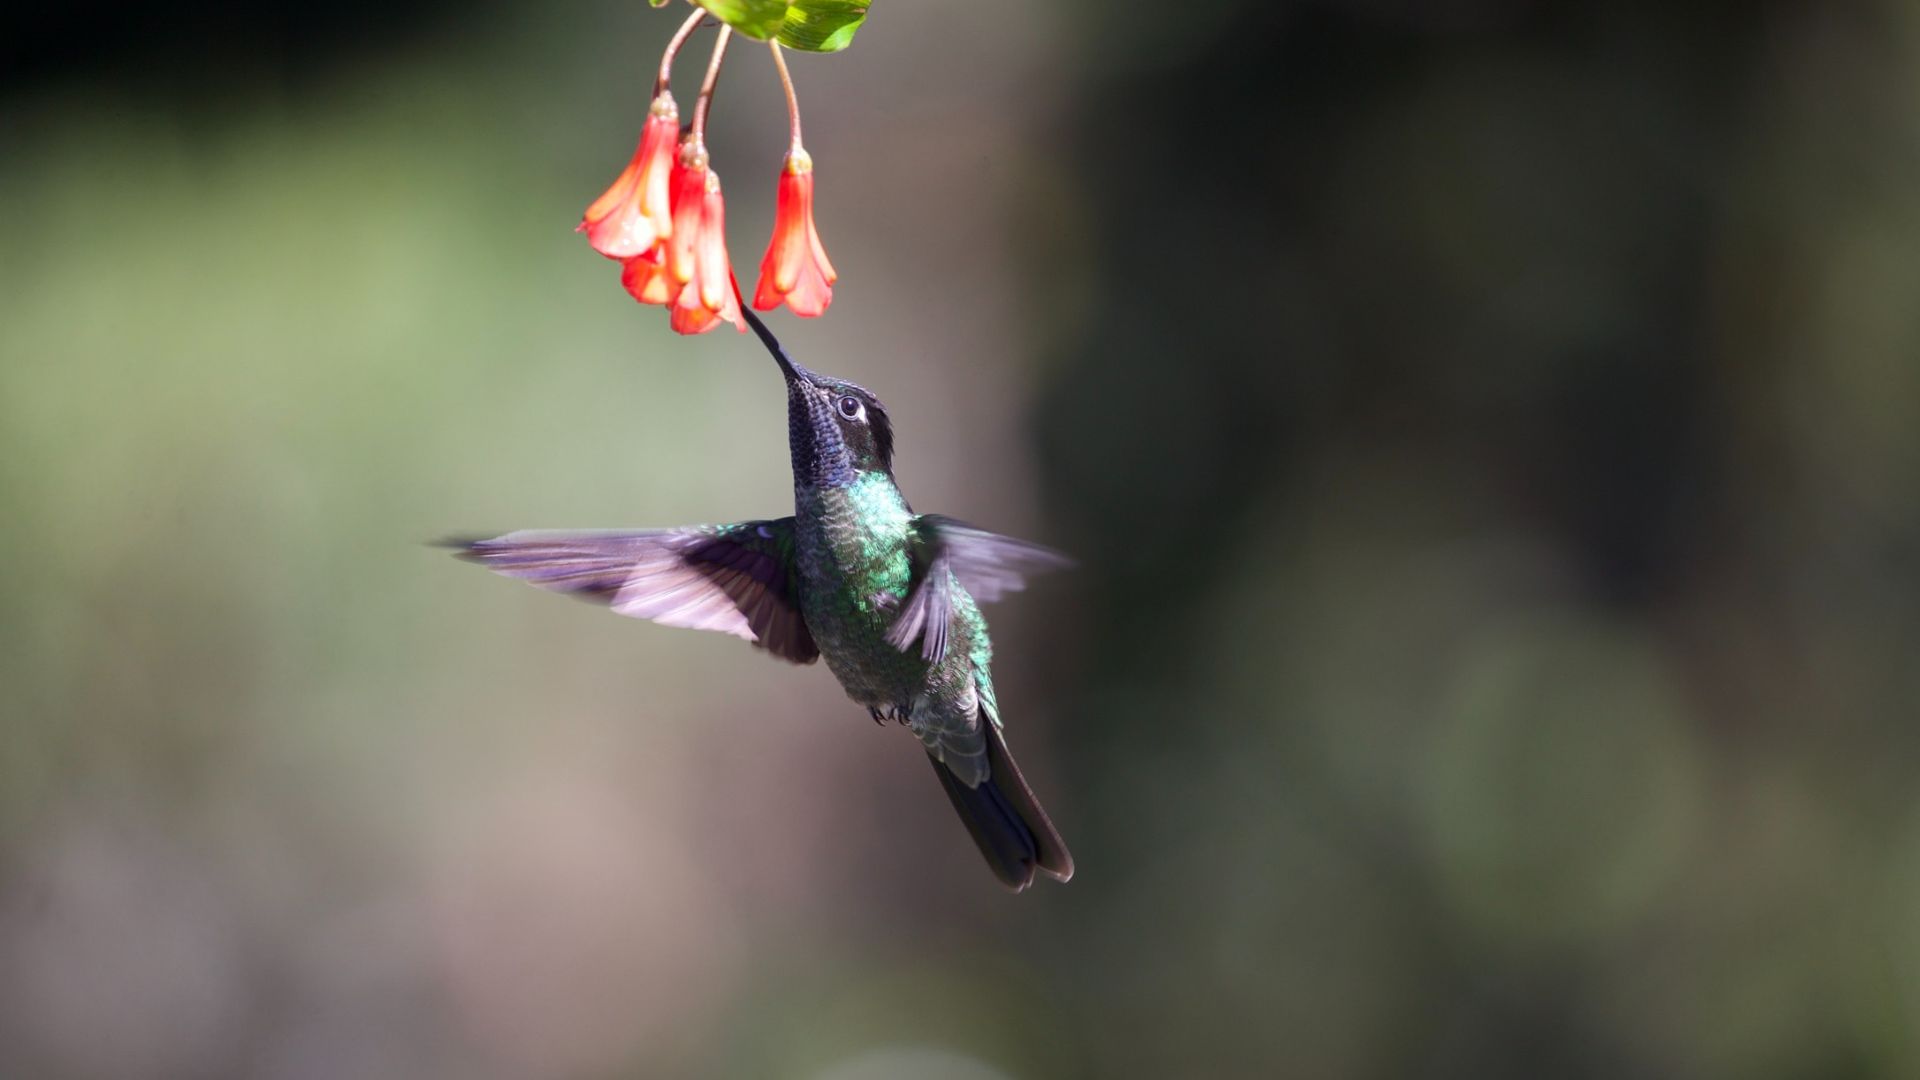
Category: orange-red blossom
<point>795,270</point>
<point>633,215</point>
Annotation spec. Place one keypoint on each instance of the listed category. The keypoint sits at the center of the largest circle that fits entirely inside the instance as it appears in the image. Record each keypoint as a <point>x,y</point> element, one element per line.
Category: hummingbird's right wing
<point>986,564</point>
<point>737,579</point>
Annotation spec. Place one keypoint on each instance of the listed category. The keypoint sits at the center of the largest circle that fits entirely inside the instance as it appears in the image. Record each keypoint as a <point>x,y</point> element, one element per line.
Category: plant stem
<point>680,36</point>
<point>793,103</point>
<point>706,88</point>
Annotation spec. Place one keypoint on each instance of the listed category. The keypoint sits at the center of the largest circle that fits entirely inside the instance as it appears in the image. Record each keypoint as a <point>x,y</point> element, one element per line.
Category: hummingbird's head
<point>836,430</point>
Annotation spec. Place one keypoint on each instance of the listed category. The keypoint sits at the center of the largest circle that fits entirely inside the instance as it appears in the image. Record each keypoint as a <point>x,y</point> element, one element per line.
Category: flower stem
<point>793,103</point>
<point>680,36</point>
<point>706,88</point>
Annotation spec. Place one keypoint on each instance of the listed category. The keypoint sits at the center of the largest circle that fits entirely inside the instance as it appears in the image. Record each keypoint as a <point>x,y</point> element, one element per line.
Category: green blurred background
<point>1490,430</point>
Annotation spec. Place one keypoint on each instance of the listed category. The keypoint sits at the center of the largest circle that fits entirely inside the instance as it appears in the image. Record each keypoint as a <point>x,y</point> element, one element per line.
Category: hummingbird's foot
<point>900,714</point>
<point>878,716</point>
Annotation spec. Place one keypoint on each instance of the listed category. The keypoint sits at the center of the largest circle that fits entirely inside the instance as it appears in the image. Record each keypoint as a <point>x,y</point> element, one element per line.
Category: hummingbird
<point>888,597</point>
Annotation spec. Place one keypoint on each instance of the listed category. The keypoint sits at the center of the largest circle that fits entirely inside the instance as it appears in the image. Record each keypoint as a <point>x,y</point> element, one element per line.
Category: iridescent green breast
<point>854,558</point>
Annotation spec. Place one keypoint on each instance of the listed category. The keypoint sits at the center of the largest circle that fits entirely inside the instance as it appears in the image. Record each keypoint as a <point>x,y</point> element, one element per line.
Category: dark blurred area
<point>1490,432</point>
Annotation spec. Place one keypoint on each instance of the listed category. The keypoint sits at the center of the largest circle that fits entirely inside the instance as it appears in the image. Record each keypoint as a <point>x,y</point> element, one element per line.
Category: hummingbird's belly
<point>853,643</point>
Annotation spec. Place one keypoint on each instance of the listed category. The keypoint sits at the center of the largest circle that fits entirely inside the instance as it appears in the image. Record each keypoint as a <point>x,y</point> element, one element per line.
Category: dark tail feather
<point>1006,821</point>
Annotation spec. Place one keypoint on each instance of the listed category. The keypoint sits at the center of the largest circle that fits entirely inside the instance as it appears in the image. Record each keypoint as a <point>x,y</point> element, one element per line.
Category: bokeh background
<point>1490,430</point>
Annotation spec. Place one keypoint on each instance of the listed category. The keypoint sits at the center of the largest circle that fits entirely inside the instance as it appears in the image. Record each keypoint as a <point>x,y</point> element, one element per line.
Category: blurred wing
<point>929,607</point>
<point>736,579</point>
<point>986,564</point>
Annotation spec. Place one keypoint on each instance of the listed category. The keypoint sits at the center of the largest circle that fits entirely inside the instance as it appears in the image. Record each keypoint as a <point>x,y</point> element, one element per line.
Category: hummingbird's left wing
<point>736,579</point>
<point>986,564</point>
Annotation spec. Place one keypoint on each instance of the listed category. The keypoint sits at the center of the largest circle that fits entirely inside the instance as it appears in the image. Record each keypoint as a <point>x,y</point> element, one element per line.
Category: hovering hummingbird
<point>888,596</point>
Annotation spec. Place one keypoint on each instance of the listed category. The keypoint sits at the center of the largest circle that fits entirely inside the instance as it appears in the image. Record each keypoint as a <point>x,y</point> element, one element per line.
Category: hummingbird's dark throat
<point>829,448</point>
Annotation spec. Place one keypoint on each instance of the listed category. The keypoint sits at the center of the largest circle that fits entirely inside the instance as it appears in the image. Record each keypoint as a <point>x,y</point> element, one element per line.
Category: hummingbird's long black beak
<point>794,372</point>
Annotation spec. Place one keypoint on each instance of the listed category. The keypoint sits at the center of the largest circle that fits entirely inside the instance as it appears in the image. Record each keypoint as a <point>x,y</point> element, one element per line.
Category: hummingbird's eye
<point>851,408</point>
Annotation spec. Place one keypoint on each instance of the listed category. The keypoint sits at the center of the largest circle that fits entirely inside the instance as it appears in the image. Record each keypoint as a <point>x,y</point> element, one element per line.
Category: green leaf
<point>758,19</point>
<point>822,25</point>
<point>658,3</point>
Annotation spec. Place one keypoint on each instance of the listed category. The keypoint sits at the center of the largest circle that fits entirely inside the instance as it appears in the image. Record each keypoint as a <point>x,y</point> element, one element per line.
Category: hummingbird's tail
<point>1006,821</point>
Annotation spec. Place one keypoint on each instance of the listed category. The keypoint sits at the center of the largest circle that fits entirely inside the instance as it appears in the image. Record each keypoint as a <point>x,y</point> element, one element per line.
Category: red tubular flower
<point>690,173</point>
<point>635,214</point>
<point>648,276</point>
<point>695,257</point>
<point>795,269</point>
